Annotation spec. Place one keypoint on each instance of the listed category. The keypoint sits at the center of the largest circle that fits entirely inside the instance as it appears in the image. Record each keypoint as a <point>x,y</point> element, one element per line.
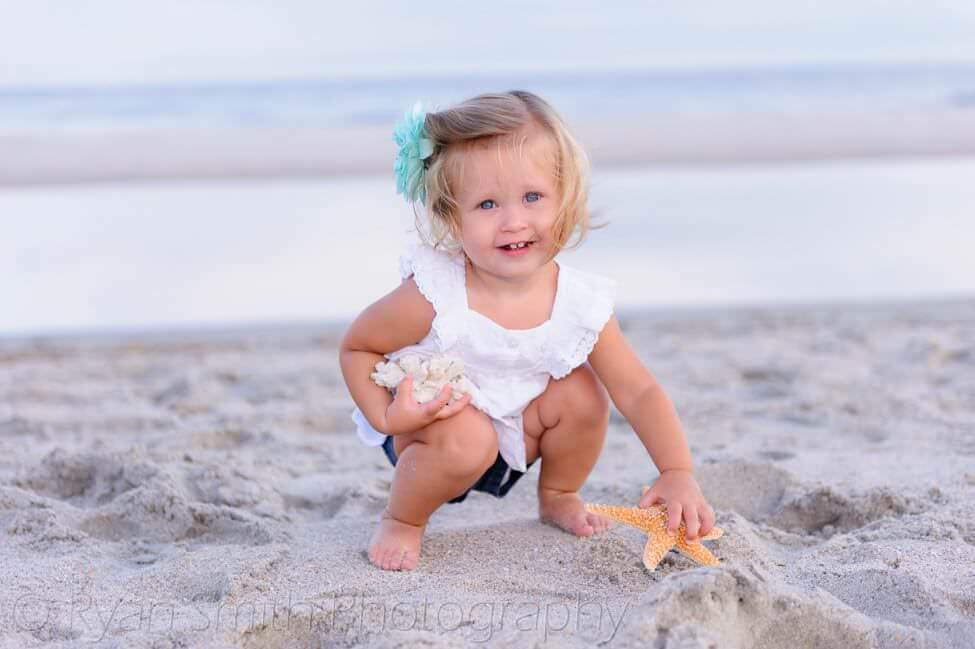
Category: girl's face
<point>508,196</point>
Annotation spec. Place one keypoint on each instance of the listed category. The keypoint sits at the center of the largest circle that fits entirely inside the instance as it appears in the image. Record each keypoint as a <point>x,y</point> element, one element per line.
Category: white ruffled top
<point>508,367</point>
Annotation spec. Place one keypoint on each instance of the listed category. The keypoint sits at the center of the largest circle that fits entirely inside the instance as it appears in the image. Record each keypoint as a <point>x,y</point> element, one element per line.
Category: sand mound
<point>118,496</point>
<point>729,607</point>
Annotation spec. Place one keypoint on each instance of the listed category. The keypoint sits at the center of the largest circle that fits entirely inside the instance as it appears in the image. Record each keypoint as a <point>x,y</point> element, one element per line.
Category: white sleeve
<point>440,280</point>
<point>587,308</point>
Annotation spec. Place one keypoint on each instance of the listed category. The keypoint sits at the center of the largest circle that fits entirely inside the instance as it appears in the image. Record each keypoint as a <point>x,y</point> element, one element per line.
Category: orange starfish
<point>653,521</point>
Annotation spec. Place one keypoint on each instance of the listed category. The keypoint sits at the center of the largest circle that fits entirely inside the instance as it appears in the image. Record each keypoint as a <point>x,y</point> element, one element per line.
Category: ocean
<point>344,102</point>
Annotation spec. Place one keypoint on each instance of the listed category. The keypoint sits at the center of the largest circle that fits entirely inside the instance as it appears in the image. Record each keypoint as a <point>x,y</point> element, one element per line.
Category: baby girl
<point>501,187</point>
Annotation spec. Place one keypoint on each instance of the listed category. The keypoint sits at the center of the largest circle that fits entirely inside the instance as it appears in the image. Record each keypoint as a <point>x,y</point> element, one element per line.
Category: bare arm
<point>641,399</point>
<point>402,317</point>
<point>653,417</point>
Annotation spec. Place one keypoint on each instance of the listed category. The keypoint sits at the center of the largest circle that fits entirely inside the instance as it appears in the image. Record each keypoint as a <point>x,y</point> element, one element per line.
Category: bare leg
<point>566,426</point>
<point>434,464</point>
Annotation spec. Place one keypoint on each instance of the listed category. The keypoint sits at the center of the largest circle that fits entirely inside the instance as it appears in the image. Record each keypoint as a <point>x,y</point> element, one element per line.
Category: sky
<point>59,42</point>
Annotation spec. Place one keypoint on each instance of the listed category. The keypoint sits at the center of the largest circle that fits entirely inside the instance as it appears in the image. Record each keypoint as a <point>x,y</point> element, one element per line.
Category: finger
<point>707,519</point>
<point>405,388</point>
<point>692,522</point>
<point>649,497</point>
<point>437,404</point>
<point>453,408</point>
<point>674,512</point>
<point>433,406</point>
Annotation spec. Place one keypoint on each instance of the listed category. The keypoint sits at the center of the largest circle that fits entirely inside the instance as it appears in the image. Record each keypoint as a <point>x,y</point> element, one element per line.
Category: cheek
<point>546,220</point>
<point>464,226</point>
<point>475,230</point>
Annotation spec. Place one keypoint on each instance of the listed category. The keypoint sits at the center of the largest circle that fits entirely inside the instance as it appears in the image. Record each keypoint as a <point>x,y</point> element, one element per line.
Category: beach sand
<point>72,156</point>
<point>208,489</point>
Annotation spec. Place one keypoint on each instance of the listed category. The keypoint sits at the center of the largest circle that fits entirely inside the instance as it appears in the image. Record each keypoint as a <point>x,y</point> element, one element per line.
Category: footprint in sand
<point>763,493</point>
<point>119,496</point>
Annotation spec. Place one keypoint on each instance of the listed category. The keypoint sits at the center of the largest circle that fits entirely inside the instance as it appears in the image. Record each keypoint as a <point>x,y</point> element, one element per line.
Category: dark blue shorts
<point>497,480</point>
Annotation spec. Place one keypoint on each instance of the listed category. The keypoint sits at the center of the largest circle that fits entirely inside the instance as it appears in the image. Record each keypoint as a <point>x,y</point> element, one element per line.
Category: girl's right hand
<point>406,415</point>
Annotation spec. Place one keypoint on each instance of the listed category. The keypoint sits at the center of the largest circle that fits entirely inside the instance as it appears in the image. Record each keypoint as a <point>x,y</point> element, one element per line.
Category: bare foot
<point>565,509</point>
<point>395,545</point>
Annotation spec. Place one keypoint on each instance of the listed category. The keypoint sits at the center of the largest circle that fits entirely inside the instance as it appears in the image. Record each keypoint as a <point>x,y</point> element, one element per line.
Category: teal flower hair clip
<point>414,149</point>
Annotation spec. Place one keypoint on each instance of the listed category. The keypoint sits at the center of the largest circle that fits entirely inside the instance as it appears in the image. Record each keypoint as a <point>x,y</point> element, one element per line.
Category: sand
<point>207,489</point>
<point>59,156</point>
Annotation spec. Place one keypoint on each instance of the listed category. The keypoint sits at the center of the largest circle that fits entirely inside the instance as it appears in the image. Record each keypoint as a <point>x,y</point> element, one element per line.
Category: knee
<point>467,443</point>
<point>586,397</point>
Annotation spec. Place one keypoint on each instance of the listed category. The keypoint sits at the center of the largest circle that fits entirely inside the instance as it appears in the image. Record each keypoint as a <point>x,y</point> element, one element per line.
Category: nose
<point>513,219</point>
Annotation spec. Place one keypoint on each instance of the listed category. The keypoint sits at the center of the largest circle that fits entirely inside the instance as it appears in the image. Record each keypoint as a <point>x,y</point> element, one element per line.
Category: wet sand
<point>73,156</point>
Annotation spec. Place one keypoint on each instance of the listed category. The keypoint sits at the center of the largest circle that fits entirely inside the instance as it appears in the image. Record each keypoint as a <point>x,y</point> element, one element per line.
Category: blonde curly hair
<point>503,119</point>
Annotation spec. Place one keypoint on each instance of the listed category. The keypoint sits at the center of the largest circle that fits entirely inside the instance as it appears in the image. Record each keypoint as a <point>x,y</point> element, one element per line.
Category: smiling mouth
<point>518,246</point>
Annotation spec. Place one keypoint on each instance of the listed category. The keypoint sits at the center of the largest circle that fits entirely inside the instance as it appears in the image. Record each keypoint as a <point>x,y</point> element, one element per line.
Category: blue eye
<point>482,203</point>
<point>537,196</point>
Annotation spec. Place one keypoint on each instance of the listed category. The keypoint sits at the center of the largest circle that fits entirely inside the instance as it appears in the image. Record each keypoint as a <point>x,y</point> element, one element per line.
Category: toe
<point>410,559</point>
<point>394,560</point>
<point>582,527</point>
<point>398,556</point>
<point>599,523</point>
<point>376,554</point>
<point>404,560</point>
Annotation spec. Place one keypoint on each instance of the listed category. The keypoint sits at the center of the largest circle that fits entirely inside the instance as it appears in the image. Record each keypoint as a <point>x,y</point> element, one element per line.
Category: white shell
<point>429,376</point>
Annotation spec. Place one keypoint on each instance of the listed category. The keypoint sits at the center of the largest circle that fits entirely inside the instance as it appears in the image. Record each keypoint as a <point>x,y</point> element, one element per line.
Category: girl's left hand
<point>679,491</point>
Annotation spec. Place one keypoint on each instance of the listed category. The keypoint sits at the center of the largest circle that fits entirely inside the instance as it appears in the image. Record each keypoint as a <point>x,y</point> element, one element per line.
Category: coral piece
<point>429,376</point>
<point>653,521</point>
